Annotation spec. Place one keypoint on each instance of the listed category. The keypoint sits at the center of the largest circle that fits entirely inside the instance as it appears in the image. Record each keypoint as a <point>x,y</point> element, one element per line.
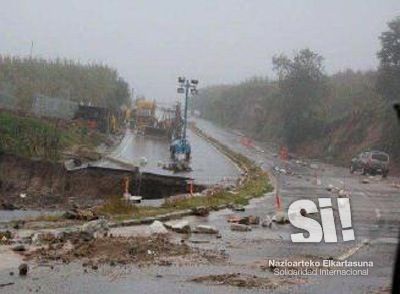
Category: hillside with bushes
<point>333,117</point>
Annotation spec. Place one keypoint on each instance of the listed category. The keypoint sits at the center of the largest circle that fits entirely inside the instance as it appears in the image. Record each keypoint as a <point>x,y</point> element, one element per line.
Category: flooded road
<point>375,208</point>
<point>208,165</point>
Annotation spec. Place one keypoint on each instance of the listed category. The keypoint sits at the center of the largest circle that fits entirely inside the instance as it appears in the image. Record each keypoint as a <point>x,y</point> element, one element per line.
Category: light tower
<point>181,146</point>
<point>186,85</point>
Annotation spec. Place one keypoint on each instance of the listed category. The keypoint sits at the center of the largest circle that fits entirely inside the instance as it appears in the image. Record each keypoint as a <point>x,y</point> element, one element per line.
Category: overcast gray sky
<point>217,41</point>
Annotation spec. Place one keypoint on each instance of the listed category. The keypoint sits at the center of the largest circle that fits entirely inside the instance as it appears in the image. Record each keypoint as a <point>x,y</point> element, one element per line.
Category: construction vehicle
<point>144,115</point>
<point>158,121</point>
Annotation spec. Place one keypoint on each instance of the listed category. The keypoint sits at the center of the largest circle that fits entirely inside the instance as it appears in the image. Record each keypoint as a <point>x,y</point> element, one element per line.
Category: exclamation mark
<point>345,218</point>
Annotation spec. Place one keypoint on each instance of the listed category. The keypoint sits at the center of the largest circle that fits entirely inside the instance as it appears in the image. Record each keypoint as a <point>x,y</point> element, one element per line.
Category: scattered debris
<point>343,193</point>
<point>365,181</point>
<point>238,208</point>
<point>280,218</point>
<point>203,229</point>
<point>201,211</point>
<point>330,188</point>
<point>240,227</point>
<point>131,198</point>
<point>158,227</point>
<point>5,236</point>
<point>250,220</point>
<point>179,226</point>
<point>6,284</point>
<point>234,219</point>
<point>267,222</point>
<point>18,248</point>
<point>142,250</point>
<point>97,226</point>
<point>80,214</point>
<point>199,241</point>
<point>241,281</point>
<point>47,237</point>
<point>23,269</point>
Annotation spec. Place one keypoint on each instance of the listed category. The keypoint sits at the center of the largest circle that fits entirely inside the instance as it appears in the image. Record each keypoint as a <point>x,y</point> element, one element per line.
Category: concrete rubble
<point>178,226</point>
<point>238,208</point>
<point>201,211</point>
<point>240,228</point>
<point>80,214</point>
<point>280,218</point>
<point>95,227</point>
<point>365,181</point>
<point>244,220</point>
<point>267,222</point>
<point>204,229</point>
<point>158,227</point>
<point>47,236</point>
<point>343,193</point>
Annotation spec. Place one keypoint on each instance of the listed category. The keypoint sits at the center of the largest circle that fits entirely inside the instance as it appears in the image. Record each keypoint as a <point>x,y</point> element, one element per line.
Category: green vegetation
<point>23,78</point>
<point>315,114</point>
<point>256,185</point>
<point>32,137</point>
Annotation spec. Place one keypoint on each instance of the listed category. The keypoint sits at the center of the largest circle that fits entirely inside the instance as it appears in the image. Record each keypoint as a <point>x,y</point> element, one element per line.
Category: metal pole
<point>187,86</point>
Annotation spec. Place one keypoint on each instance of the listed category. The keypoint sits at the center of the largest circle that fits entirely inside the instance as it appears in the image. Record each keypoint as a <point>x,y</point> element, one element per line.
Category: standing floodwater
<point>208,165</point>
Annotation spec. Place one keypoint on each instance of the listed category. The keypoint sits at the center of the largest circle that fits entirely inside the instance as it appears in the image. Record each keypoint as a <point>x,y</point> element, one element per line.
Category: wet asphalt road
<point>375,219</point>
<point>208,166</point>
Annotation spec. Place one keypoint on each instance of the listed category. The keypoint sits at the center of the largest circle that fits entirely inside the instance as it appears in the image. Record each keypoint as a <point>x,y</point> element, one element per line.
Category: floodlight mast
<point>184,86</point>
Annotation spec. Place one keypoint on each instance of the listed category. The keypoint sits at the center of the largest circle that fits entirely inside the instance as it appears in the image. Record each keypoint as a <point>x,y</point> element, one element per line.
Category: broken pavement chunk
<point>179,226</point>
<point>267,222</point>
<point>234,219</point>
<point>200,211</point>
<point>157,227</point>
<point>240,227</point>
<point>204,229</point>
<point>250,220</point>
<point>280,218</point>
<point>96,226</point>
<point>238,207</point>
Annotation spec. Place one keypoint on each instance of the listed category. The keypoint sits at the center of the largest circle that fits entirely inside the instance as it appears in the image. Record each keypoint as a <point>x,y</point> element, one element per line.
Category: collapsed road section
<point>41,184</point>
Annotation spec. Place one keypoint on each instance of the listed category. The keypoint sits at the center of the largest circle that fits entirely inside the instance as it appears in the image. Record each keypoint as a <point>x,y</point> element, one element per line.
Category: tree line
<point>310,111</point>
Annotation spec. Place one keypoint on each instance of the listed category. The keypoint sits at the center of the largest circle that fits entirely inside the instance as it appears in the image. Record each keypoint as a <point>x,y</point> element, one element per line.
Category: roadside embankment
<point>254,182</point>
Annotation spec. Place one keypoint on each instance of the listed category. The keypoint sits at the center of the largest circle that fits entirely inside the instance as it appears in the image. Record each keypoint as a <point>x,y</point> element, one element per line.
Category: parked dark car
<point>371,162</point>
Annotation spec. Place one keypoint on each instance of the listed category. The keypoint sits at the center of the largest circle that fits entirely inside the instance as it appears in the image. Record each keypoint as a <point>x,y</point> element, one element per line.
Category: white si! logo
<point>298,218</point>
